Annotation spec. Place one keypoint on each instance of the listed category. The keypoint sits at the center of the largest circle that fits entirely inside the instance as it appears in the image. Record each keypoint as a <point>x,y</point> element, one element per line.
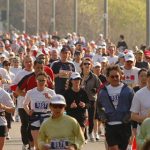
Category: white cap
<point>2,55</point>
<point>103,45</point>
<point>58,99</point>
<point>75,75</point>
<point>129,57</point>
<point>7,42</point>
<point>104,59</point>
<point>42,43</point>
<point>97,64</point>
<point>39,53</point>
<point>34,47</point>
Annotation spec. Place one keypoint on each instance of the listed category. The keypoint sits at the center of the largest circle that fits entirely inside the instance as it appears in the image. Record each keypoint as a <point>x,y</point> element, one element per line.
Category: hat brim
<point>58,102</point>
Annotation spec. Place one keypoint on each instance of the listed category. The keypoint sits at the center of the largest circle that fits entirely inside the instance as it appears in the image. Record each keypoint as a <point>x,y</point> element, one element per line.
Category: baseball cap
<point>58,99</point>
<point>104,59</point>
<point>34,47</point>
<point>2,55</point>
<point>65,49</point>
<point>42,43</point>
<point>147,53</point>
<point>75,75</point>
<point>139,52</point>
<point>129,57</point>
<point>39,53</point>
<point>97,64</point>
<point>121,55</point>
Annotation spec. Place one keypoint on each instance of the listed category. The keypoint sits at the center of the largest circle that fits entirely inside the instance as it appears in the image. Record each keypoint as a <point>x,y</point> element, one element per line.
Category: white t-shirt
<point>39,100</point>
<point>4,74</point>
<point>141,102</point>
<point>16,80</point>
<point>131,76</point>
<point>6,100</point>
<point>112,60</point>
<point>77,66</point>
<point>15,70</point>
<point>114,93</point>
<point>97,58</point>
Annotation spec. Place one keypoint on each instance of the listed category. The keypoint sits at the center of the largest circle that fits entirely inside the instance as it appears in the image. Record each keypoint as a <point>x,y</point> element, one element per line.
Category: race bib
<point>59,144</point>
<point>41,105</point>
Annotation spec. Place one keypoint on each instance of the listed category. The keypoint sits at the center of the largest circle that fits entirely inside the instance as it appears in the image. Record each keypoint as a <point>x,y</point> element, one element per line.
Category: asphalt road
<point>15,142</point>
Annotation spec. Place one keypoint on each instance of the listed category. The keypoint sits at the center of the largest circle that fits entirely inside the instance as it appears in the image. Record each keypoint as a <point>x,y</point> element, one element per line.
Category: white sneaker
<point>8,136</point>
<point>92,138</point>
<point>25,147</point>
<point>97,137</point>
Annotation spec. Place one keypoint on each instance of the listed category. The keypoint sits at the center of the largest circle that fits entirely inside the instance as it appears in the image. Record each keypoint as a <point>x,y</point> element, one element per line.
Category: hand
<point>2,106</point>
<point>47,96</point>
<point>46,147</point>
<point>82,104</point>
<point>73,105</point>
<point>71,147</point>
<point>30,113</point>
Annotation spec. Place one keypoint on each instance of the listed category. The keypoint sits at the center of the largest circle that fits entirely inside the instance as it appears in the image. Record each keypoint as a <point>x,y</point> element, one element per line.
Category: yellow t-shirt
<point>64,128</point>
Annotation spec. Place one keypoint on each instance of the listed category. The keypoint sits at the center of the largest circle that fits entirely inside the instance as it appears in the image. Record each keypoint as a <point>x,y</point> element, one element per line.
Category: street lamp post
<point>105,19</point>
<point>37,17</point>
<point>25,16</point>
<point>8,4</point>
<point>53,20</point>
<point>148,22</point>
<point>75,16</point>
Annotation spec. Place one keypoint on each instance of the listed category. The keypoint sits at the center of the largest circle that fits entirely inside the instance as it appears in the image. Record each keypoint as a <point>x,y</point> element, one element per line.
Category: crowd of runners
<point>65,90</point>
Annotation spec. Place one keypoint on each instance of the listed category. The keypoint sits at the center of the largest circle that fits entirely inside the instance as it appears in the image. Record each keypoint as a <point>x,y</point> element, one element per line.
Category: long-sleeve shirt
<point>62,128</point>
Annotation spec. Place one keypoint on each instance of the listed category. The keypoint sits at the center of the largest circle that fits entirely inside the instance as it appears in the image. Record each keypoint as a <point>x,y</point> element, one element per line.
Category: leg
<point>24,125</point>
<point>2,141</point>
<point>35,135</point>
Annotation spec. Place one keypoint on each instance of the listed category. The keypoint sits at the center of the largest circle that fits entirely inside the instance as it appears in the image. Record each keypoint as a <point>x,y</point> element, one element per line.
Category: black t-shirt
<point>60,82</point>
<point>142,64</point>
<point>102,79</point>
<point>71,96</point>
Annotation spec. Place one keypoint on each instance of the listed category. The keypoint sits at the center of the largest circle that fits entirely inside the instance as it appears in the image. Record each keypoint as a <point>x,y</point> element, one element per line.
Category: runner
<point>60,131</point>
<point>39,99</point>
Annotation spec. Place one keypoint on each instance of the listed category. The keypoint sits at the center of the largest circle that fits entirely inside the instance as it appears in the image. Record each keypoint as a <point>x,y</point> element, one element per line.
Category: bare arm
<point>19,92</point>
<point>7,109</point>
<point>137,117</point>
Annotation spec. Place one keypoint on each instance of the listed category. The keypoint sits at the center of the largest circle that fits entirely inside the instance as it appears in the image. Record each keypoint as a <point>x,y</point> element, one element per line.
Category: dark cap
<point>65,49</point>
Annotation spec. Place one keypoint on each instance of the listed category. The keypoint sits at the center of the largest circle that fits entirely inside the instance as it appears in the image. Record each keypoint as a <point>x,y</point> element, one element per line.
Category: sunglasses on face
<point>86,64</point>
<point>40,80</point>
<point>7,65</point>
<point>129,61</point>
<point>113,77</point>
<point>58,106</point>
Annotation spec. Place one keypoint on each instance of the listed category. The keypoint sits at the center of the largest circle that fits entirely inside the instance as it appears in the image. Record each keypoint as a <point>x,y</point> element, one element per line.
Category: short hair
<point>42,73</point>
<point>111,68</point>
<point>27,57</point>
<point>141,70</point>
<point>38,61</point>
<point>122,36</point>
<point>148,73</point>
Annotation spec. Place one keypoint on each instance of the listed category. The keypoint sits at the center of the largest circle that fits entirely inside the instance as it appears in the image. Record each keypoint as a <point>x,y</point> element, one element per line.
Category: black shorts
<point>3,131</point>
<point>118,135</point>
<point>134,124</point>
<point>34,127</point>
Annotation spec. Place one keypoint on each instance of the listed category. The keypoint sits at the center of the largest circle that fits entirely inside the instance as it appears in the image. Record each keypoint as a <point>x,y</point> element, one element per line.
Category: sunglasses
<point>7,65</point>
<point>116,76</point>
<point>86,64</point>
<point>41,80</point>
<point>129,61</point>
<point>58,106</point>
